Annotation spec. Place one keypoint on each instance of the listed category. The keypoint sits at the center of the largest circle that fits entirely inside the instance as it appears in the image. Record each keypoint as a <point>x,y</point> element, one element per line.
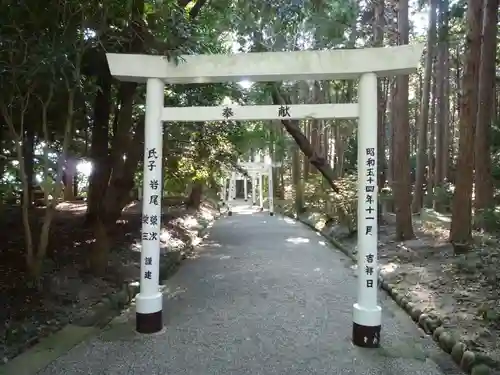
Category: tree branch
<point>195,10</point>
<point>292,127</point>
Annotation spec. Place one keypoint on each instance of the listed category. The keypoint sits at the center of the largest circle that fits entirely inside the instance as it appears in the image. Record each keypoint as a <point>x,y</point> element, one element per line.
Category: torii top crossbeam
<point>268,66</point>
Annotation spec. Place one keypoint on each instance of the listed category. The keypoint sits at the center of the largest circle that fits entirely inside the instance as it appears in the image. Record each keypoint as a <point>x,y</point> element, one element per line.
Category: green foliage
<point>350,155</point>
<point>488,219</point>
<point>443,196</point>
<point>340,207</point>
<point>495,152</point>
<point>343,205</point>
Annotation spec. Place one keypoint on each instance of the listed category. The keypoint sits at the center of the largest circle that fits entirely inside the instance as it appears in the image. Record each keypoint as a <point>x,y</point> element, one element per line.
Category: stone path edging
<point>46,349</point>
<point>468,360</point>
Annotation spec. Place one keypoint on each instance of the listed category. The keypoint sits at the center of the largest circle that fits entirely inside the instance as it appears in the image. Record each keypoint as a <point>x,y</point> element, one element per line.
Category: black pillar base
<point>149,323</point>
<point>271,213</point>
<point>254,204</point>
<point>246,200</point>
<point>229,213</point>
<point>234,199</point>
<point>366,336</point>
<point>261,209</point>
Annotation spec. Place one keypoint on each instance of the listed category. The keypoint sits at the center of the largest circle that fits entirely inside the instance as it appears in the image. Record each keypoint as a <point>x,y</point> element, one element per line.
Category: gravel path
<point>265,296</point>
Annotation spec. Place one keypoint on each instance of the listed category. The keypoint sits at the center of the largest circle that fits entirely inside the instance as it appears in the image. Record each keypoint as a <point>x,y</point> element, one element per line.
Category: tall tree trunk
<point>449,128</point>
<point>378,41</point>
<point>69,175</point>
<point>99,175</point>
<point>326,141</point>
<point>391,92</point>
<point>385,129</point>
<point>305,160</point>
<point>458,77</point>
<point>75,185</point>
<point>340,151</point>
<point>461,231</point>
<point>196,194</point>
<point>297,179</point>
<point>432,140</point>
<point>28,157</point>
<point>119,182</point>
<point>402,187</point>
<point>483,180</point>
<point>315,125</point>
<point>390,132</point>
<point>422,157</point>
<point>416,115</point>
<point>441,148</point>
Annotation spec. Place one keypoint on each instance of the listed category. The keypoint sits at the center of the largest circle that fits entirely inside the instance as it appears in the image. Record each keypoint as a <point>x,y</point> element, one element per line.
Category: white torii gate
<point>255,170</point>
<point>366,64</point>
<point>232,190</point>
<point>258,170</point>
<point>227,193</point>
<point>226,200</point>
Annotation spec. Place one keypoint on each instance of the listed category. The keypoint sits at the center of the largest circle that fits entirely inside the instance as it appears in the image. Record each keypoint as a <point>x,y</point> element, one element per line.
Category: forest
<point>72,147</point>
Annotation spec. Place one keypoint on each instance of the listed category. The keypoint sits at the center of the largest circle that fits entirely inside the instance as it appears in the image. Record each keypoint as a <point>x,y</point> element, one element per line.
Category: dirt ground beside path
<point>70,290</point>
<point>463,291</point>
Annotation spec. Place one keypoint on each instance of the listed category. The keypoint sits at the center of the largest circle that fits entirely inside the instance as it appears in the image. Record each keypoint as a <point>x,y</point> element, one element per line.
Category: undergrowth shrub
<point>340,207</point>
<point>343,205</point>
<point>443,196</point>
<point>488,219</point>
